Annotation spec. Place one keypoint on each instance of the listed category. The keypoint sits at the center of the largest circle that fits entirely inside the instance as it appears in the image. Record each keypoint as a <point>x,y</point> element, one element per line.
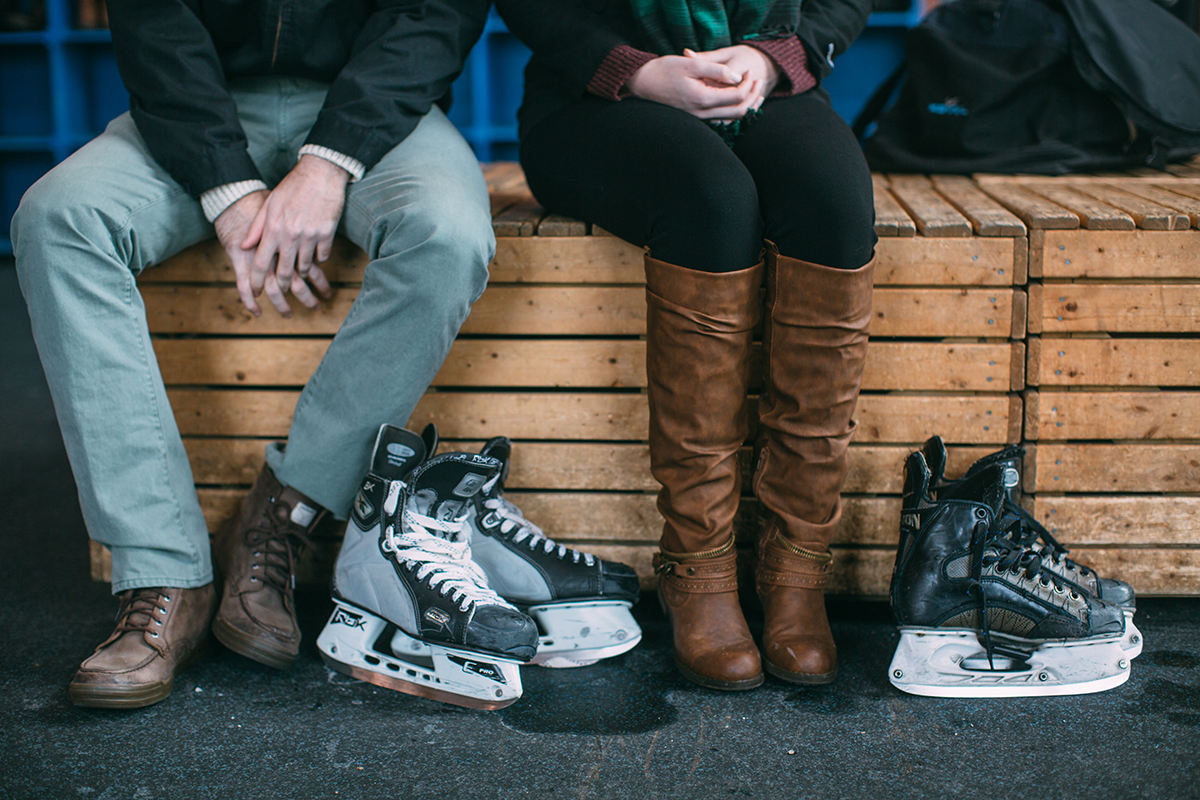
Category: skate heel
<point>361,645</point>
<point>580,634</point>
<point>953,663</point>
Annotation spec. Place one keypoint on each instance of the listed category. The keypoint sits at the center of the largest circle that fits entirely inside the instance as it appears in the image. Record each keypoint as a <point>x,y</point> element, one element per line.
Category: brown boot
<point>256,556</point>
<point>699,328</point>
<point>159,632</point>
<point>815,347</point>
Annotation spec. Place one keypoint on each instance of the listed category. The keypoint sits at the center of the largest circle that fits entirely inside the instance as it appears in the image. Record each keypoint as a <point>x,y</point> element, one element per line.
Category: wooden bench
<point>1063,313</point>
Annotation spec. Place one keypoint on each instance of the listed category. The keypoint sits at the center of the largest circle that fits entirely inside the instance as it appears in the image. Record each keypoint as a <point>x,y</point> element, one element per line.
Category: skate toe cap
<point>1105,617</point>
<point>1118,592</point>
<point>619,581</point>
<point>503,630</point>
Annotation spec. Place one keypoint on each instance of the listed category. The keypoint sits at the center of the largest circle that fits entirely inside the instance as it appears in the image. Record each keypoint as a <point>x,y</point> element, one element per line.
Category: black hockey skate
<point>580,602</point>
<point>413,611</point>
<point>981,616</point>
<point>1028,533</point>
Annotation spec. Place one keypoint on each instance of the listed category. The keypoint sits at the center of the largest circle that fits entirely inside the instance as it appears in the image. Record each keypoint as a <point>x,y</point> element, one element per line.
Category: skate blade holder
<point>1132,641</point>
<point>353,643</point>
<point>580,634</point>
<point>939,663</point>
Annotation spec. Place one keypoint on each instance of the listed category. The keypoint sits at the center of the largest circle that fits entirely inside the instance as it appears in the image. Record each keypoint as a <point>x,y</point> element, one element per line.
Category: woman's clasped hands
<point>722,84</point>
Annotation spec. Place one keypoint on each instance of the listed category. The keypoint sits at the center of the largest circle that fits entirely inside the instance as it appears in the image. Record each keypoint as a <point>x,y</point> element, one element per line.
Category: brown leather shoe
<point>256,556</point>
<point>699,329</point>
<point>814,351</point>
<point>713,646</point>
<point>159,632</point>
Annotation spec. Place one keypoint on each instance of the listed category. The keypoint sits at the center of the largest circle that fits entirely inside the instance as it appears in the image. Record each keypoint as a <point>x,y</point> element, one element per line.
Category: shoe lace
<point>1027,532</point>
<point>438,550</point>
<point>278,541</point>
<point>138,611</point>
<point>512,519</point>
<point>1001,549</point>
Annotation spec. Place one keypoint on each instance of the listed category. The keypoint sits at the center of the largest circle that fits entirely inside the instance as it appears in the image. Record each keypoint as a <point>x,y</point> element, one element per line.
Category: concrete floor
<point>627,727</point>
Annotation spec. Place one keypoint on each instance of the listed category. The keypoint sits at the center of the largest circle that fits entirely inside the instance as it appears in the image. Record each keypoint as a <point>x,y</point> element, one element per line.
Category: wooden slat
<point>890,219</point>
<point>924,260</point>
<point>981,419</point>
<point>520,219</point>
<point>1125,308</point>
<point>1191,190</point>
<point>1117,520</point>
<point>1119,468</point>
<point>933,215</point>
<point>581,466</point>
<point>1093,214</point>
<point>576,259</point>
<point>1141,255</point>
<point>856,571</point>
<point>1146,214</point>
<point>987,217</point>
<point>938,312</point>
<point>601,363</point>
<point>1118,362</point>
<point>565,310</point>
<point>1063,416</point>
<point>1036,212</point>
<point>1164,196</point>
<point>558,225</point>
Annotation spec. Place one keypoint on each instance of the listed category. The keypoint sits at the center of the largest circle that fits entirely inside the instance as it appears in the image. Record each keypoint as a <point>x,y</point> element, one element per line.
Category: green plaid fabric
<point>668,26</point>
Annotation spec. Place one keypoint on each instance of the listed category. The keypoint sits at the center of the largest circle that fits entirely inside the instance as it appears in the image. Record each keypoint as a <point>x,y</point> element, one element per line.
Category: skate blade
<point>1131,642</point>
<point>580,634</point>
<point>351,644</point>
<point>936,663</point>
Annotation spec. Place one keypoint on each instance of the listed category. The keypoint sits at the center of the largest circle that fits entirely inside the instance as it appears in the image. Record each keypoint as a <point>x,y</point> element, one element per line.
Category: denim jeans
<point>84,232</point>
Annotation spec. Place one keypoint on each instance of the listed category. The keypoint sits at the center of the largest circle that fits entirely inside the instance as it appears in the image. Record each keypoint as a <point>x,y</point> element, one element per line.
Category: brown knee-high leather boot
<point>699,327</point>
<point>815,346</point>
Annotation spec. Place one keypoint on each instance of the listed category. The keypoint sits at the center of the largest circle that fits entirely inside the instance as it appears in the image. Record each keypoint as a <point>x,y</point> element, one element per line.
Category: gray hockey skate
<point>580,602</point>
<point>981,616</point>
<point>1028,533</point>
<point>413,611</point>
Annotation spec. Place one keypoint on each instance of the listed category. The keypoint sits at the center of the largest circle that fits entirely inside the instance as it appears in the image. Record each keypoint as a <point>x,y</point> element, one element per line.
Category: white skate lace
<point>444,563</point>
<point>511,517</point>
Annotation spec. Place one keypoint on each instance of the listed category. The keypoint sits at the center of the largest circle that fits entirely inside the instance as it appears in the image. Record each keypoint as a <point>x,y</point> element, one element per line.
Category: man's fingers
<point>254,235</point>
<point>275,295</point>
<point>286,267</point>
<point>317,278</point>
<point>303,293</point>
<point>245,292</point>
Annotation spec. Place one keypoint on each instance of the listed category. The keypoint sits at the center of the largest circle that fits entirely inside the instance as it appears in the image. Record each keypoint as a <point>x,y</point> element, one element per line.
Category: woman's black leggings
<point>655,175</point>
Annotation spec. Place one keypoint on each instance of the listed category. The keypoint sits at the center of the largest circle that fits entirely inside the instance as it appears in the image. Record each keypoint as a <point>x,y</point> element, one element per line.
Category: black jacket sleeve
<point>569,38</point>
<point>177,93</point>
<point>404,60</point>
<point>827,28</point>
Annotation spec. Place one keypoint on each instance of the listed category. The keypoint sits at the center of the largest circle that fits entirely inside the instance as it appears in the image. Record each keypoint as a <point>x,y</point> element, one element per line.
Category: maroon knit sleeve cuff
<point>791,58</point>
<point>616,69</point>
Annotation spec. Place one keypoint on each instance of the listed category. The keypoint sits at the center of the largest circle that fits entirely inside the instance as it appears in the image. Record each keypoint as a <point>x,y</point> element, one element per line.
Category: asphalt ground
<point>628,727</point>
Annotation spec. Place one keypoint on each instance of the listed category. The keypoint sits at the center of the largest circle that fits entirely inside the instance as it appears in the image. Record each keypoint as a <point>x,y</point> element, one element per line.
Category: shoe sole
<point>125,697</point>
<point>805,678</point>
<point>719,685</point>
<point>250,646</point>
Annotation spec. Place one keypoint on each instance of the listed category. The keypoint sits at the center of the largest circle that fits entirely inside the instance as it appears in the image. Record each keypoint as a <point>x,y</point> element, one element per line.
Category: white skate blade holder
<point>1131,642</point>
<point>459,677</point>
<point>581,633</point>
<point>937,662</point>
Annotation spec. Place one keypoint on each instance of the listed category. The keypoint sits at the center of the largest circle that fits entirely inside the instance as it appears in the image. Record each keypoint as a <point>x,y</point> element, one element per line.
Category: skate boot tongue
<point>499,448</point>
<point>442,487</point>
<point>398,452</point>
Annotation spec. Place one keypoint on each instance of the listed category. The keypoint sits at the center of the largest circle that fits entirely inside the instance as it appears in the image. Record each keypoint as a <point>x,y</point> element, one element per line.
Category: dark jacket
<point>570,38</point>
<point>387,62</point>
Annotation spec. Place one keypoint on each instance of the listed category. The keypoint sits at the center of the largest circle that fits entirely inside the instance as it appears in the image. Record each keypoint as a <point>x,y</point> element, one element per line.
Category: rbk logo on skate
<point>343,617</point>
<point>1011,477</point>
<point>437,616</point>
<point>481,668</point>
<point>398,454</point>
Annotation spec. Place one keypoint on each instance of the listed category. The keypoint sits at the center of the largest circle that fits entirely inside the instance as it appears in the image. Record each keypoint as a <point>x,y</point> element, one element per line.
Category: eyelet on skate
<point>690,570</point>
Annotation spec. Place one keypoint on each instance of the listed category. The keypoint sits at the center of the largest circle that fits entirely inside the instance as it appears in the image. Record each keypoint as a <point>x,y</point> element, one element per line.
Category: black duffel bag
<point>1039,86</point>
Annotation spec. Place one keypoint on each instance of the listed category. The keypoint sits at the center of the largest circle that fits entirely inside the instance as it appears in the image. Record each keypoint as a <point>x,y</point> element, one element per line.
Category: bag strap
<point>875,104</point>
